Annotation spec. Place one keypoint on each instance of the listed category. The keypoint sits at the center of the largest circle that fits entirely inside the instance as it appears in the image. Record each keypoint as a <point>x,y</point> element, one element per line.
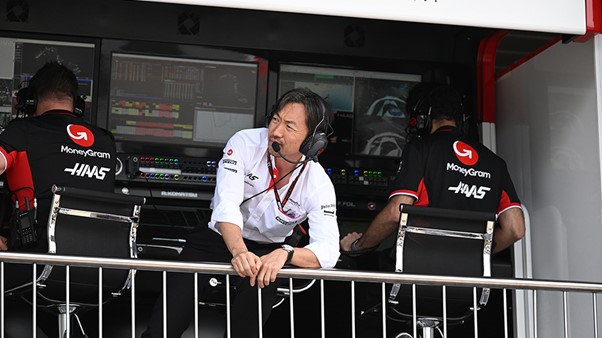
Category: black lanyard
<point>282,203</point>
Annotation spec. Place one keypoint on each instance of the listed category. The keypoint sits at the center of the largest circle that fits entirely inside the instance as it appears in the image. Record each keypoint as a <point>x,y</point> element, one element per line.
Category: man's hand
<point>348,240</point>
<point>247,264</point>
<point>271,265</point>
<point>3,243</point>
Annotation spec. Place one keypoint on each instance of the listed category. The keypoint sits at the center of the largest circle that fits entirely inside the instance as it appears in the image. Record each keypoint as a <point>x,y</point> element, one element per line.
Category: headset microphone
<point>276,148</point>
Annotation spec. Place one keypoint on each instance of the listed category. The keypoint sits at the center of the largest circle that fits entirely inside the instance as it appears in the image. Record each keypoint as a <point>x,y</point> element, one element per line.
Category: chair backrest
<point>90,223</point>
<point>435,241</point>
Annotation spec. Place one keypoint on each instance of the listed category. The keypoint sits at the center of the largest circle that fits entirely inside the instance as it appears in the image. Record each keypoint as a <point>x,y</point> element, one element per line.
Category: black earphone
<point>27,102</point>
<point>315,143</point>
<point>421,115</point>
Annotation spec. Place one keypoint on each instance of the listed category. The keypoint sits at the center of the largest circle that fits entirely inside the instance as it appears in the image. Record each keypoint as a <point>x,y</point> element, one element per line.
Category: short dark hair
<point>318,112</point>
<point>54,79</point>
<point>442,100</point>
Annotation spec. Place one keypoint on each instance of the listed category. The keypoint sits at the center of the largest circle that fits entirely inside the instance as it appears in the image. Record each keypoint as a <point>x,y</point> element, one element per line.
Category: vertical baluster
<point>100,301</point>
<point>35,299</point>
<point>228,318</point>
<point>133,305</point>
<point>535,313</point>
<point>565,315</point>
<point>352,309</point>
<point>164,304</point>
<point>196,305</point>
<point>2,299</point>
<point>291,307</point>
<point>505,313</point>
<point>414,315</point>
<point>67,283</point>
<point>444,295</point>
<point>384,310</point>
<point>259,313</point>
<point>595,301</point>
<point>322,309</point>
<point>474,312</point>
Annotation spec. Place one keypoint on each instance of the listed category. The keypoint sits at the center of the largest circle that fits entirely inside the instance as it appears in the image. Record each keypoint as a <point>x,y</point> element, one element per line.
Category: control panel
<point>360,181</point>
<point>167,170</point>
<point>360,189</point>
<point>193,179</point>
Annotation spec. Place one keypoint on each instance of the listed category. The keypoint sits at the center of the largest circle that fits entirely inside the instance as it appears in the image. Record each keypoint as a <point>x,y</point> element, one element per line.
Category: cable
<point>272,185</point>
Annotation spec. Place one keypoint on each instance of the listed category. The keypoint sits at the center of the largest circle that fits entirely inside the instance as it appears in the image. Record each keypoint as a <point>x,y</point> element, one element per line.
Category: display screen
<point>180,101</point>
<point>21,58</point>
<point>371,114</point>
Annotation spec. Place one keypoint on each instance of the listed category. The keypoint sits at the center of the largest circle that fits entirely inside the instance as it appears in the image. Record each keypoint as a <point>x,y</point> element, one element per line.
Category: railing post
<point>322,309</point>
<point>260,312</point>
<point>352,309</point>
<point>291,307</point>
<point>100,301</point>
<point>595,301</point>
<point>2,299</point>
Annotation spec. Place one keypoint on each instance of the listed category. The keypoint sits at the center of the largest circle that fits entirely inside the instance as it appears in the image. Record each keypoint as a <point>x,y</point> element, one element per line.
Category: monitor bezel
<point>91,101</point>
<point>175,51</point>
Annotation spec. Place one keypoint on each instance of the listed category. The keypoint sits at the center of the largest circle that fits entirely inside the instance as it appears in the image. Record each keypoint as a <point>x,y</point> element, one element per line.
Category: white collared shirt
<point>243,172</point>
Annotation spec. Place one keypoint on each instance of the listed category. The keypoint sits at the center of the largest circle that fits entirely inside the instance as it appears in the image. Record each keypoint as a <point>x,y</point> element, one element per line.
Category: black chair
<point>444,242</point>
<point>86,223</point>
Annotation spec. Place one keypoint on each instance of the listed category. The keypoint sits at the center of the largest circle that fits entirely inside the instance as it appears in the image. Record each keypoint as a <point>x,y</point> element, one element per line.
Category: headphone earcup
<point>79,107</point>
<point>27,101</point>
<point>314,145</point>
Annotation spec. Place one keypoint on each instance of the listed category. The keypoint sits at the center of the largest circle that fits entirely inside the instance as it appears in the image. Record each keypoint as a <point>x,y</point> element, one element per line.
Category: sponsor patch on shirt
<point>89,171</point>
<point>330,213</point>
<point>80,135</point>
<point>470,191</point>
<point>85,153</point>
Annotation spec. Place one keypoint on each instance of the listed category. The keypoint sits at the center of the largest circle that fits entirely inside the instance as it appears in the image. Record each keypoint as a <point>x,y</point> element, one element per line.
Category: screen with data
<point>21,58</point>
<point>180,101</point>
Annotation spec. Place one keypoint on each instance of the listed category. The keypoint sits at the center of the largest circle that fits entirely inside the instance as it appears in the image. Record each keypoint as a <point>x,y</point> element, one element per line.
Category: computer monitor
<point>20,58</point>
<point>180,101</point>
<point>371,115</point>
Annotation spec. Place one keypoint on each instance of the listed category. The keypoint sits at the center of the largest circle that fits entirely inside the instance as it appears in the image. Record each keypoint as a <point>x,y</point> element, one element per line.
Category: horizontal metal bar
<point>445,233</point>
<point>97,215</point>
<point>326,274</point>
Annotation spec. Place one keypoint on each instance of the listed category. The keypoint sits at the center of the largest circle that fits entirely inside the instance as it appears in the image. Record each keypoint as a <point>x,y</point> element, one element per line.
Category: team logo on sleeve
<point>80,135</point>
<point>465,153</point>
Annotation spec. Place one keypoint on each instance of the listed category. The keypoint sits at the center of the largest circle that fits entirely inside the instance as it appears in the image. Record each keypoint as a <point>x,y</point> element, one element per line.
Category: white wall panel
<point>561,16</point>
<point>548,131</point>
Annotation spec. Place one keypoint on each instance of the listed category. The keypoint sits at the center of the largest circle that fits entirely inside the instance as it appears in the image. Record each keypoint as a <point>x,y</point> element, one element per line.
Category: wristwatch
<point>290,250</point>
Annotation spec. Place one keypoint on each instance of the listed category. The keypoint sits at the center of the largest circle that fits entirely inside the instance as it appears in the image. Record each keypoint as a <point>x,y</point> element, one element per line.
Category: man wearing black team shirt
<point>445,170</point>
<point>51,145</point>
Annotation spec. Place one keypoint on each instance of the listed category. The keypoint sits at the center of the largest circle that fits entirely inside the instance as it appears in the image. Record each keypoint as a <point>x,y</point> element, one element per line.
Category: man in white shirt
<point>267,184</point>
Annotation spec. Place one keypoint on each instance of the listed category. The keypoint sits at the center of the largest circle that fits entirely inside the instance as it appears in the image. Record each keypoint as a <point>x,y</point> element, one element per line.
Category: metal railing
<point>351,276</point>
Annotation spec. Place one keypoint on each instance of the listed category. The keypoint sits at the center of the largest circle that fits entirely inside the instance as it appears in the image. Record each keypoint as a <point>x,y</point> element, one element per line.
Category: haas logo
<point>465,153</point>
<point>80,135</point>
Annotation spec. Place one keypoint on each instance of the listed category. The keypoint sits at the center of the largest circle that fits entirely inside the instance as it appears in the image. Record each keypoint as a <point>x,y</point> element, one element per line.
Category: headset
<point>315,143</point>
<point>27,100</point>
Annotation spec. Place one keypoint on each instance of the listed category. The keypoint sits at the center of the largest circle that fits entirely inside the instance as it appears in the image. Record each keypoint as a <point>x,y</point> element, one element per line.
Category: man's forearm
<point>232,236</point>
<point>385,223</point>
